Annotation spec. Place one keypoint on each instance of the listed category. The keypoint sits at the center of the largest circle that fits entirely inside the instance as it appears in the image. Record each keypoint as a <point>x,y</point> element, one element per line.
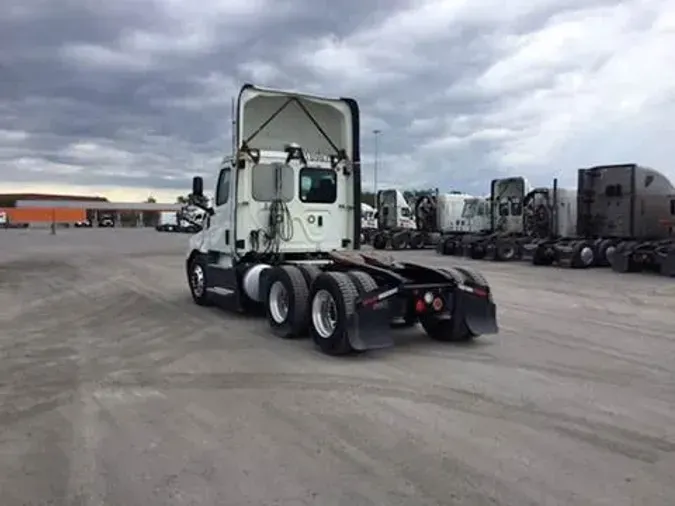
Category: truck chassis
<point>348,301</point>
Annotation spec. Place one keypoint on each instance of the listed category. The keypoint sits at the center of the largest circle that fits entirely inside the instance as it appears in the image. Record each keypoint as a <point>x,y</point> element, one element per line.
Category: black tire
<point>197,280</point>
<point>310,273</point>
<point>542,256</point>
<point>363,281</point>
<point>583,255</point>
<point>449,246</point>
<point>440,327</point>
<point>379,241</point>
<point>287,284</point>
<point>416,241</point>
<point>399,241</point>
<point>455,273</point>
<point>472,276</point>
<point>341,290</point>
<point>506,251</point>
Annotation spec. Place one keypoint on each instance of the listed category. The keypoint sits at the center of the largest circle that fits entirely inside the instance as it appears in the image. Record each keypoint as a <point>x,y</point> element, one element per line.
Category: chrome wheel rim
<point>278,302</point>
<point>197,280</point>
<point>324,314</point>
<point>586,255</point>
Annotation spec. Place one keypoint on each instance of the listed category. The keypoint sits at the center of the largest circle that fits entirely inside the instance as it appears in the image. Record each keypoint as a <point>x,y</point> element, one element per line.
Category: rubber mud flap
<point>369,328</point>
<point>622,261</point>
<point>667,263</point>
<point>478,313</point>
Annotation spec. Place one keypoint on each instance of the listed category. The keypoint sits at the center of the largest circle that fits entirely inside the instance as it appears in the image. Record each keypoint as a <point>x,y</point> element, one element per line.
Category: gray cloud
<point>137,94</point>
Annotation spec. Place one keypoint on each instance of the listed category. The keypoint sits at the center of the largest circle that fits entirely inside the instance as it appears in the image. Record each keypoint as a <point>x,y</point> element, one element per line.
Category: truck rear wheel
<point>506,250</point>
<point>310,272</point>
<point>440,327</point>
<point>583,255</point>
<point>379,241</point>
<point>333,296</point>
<point>416,241</point>
<point>286,302</point>
<point>399,241</point>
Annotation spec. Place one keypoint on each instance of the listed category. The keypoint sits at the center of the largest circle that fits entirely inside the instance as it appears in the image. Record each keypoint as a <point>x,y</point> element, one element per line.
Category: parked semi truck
<point>433,216</point>
<point>394,218</point>
<point>284,234</point>
<point>474,222</point>
<point>368,223</point>
<point>630,210</point>
<point>619,215</point>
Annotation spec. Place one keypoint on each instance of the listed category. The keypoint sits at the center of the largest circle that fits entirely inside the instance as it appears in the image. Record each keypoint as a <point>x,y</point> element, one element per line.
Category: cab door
<point>220,233</point>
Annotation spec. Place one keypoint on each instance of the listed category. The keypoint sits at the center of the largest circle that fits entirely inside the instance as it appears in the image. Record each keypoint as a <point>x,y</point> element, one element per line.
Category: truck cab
<point>394,212</point>
<point>290,188</point>
<point>507,204</point>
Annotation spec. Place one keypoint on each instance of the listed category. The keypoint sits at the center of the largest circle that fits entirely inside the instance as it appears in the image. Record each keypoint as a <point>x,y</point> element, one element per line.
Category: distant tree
<point>151,200</point>
<point>183,199</point>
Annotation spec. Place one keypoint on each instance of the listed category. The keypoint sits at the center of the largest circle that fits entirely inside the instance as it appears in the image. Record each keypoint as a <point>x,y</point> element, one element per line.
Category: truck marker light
<point>420,306</point>
<point>437,304</point>
<point>428,297</point>
<point>480,292</point>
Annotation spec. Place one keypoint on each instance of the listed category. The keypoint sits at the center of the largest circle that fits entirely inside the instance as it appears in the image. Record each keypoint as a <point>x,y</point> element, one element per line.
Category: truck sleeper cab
<point>283,236</point>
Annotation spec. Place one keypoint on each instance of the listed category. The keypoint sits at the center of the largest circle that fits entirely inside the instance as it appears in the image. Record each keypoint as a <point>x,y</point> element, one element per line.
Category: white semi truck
<point>167,221</point>
<point>284,234</point>
<point>368,222</point>
<point>433,216</point>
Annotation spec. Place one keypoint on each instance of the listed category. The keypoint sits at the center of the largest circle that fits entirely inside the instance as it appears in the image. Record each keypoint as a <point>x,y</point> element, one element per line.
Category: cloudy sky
<point>132,97</point>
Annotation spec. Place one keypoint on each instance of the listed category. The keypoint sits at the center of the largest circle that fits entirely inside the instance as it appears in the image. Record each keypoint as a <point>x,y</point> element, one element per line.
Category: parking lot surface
<point>116,389</point>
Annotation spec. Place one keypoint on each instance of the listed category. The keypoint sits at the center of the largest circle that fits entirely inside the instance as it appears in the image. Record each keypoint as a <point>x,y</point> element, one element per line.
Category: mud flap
<point>369,327</point>
<point>667,263</point>
<point>622,261</point>
<point>478,313</point>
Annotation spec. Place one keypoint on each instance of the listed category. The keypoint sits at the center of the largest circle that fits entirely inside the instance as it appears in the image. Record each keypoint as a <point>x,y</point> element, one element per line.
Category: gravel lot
<point>115,389</point>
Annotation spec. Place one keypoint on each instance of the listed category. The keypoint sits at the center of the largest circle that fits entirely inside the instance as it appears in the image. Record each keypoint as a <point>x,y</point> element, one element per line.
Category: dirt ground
<point>116,389</point>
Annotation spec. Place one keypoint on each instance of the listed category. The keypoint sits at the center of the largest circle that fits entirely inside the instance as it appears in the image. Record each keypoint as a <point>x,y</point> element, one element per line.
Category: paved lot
<point>115,389</point>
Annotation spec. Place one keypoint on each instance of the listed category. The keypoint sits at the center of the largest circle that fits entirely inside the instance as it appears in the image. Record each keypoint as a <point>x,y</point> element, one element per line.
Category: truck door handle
<point>227,237</point>
<point>320,221</point>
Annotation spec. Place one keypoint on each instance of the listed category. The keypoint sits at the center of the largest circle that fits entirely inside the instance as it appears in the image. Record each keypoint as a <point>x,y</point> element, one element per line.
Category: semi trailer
<point>284,235</point>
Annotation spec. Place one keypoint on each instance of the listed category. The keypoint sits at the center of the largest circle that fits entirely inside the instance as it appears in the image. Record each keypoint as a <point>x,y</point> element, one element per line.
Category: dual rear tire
<point>302,300</point>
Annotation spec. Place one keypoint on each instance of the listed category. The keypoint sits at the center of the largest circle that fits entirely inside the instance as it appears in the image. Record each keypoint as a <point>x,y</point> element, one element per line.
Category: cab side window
<point>223,189</point>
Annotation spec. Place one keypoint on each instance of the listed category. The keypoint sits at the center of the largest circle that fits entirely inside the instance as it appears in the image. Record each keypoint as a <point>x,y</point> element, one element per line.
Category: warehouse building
<point>40,209</point>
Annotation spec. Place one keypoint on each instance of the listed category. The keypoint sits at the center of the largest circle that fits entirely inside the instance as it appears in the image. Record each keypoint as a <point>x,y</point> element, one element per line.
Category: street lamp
<point>376,133</point>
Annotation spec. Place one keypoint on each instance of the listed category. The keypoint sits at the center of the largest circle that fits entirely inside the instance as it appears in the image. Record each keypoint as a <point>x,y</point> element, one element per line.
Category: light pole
<point>376,133</point>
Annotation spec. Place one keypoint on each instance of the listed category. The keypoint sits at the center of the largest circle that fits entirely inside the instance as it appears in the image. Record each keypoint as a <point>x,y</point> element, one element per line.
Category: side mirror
<point>198,186</point>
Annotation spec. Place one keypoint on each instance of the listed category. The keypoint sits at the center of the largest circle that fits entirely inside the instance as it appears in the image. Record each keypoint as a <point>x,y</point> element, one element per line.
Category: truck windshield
<point>516,207</point>
<point>472,208</point>
<point>503,209</point>
<point>318,186</point>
